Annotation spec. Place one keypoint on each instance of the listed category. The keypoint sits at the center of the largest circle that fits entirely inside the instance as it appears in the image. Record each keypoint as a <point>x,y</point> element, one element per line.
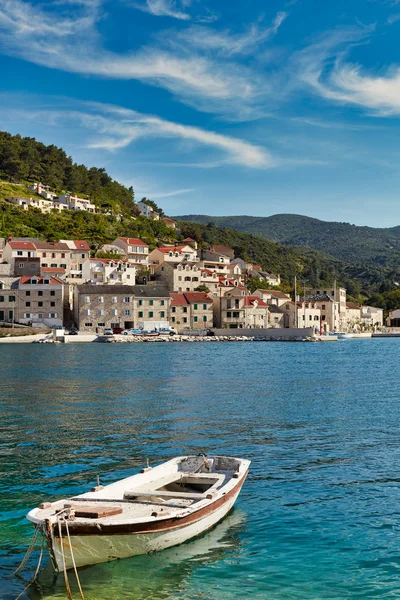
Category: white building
<point>109,271</point>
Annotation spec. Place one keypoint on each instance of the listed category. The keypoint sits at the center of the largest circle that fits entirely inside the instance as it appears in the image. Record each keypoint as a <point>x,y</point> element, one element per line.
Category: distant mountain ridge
<point>351,243</point>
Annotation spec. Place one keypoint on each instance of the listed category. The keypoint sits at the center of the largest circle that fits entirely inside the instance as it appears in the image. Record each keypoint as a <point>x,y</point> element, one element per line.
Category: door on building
<point>1,315</point>
<point>128,324</point>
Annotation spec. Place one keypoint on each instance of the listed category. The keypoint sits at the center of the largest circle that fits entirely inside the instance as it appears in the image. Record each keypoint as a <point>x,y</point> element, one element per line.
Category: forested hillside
<point>24,159</point>
<point>350,243</point>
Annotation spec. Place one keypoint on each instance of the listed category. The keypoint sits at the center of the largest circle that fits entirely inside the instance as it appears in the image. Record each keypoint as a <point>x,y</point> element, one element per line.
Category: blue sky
<point>249,107</point>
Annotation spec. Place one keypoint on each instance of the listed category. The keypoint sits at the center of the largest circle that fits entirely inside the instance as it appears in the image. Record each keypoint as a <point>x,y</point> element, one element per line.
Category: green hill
<point>350,243</point>
<point>287,244</point>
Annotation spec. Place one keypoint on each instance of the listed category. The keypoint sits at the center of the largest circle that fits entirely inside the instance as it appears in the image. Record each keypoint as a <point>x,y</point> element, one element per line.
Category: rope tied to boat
<point>36,571</point>
<point>28,552</point>
<point>63,516</point>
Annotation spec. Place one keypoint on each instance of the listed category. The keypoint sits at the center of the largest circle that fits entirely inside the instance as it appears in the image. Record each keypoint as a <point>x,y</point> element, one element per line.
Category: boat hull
<point>100,547</point>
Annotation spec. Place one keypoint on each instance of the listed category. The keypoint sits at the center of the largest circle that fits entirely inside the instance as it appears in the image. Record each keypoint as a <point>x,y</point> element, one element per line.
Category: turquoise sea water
<point>319,516</point>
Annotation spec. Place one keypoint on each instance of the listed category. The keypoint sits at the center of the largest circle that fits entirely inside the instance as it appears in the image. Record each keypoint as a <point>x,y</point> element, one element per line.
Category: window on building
<point>162,313</point>
<point>33,281</point>
<point>1,298</point>
<point>140,313</point>
<point>62,254</point>
<point>114,299</point>
<point>101,324</point>
<point>40,293</point>
<point>27,293</point>
<point>173,309</point>
<point>63,266</point>
<point>205,319</point>
<point>204,306</point>
<point>86,299</point>
<point>310,318</point>
<point>235,315</point>
<point>45,265</point>
<point>53,265</point>
<point>151,314</point>
<point>88,325</point>
<point>52,315</point>
<point>44,255</point>
<point>11,298</point>
<point>195,319</point>
<point>316,318</point>
<point>53,255</point>
<point>173,319</point>
<point>19,253</point>
<point>40,315</point>
<point>127,299</point>
<point>323,307</point>
<point>83,256</point>
<point>151,302</point>
<point>87,312</point>
<point>52,293</point>
<point>184,319</point>
<point>228,314</point>
<point>46,281</point>
<point>101,299</point>
<point>140,302</point>
<point>114,312</point>
<point>323,318</point>
<point>195,306</point>
<point>185,309</point>
<point>27,303</point>
<point>127,312</point>
<point>40,303</point>
<point>52,303</point>
<point>21,265</point>
<point>162,302</point>
<point>27,316</point>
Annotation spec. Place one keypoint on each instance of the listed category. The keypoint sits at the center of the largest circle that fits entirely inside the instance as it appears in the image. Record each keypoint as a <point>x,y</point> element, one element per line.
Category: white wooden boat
<point>155,509</point>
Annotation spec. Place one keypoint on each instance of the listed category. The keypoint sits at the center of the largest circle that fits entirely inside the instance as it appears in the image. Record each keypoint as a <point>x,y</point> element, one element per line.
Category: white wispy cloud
<point>163,8</point>
<point>172,193</point>
<point>196,77</point>
<point>227,43</point>
<point>113,128</point>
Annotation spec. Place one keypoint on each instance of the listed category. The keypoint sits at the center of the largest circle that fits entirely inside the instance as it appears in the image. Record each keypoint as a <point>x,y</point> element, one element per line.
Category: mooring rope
<point>73,561</point>
<point>28,552</point>
<point>36,572</point>
<point>67,587</point>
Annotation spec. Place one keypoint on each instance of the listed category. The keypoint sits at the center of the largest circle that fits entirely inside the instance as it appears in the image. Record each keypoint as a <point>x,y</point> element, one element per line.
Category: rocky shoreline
<point>194,339</point>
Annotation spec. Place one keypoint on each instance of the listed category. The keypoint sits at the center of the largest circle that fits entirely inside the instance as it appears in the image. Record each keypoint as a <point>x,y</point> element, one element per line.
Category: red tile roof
<point>133,241</point>
<point>185,298</point>
<point>22,245</point>
<point>189,239</point>
<point>167,249</point>
<point>81,245</point>
<point>250,300</point>
<point>52,270</point>
<point>53,280</point>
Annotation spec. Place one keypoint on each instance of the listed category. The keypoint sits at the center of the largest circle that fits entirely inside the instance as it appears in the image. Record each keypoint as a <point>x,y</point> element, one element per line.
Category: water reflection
<point>157,576</point>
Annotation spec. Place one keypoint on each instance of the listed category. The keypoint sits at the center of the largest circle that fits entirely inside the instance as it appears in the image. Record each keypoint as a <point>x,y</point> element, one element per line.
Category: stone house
<point>134,249</point>
<point>173,254</point>
<point>100,306</point>
<point>191,310</point>
<point>178,277</point>
<point>33,300</point>
<point>54,255</point>
<point>273,297</point>
<point>238,310</point>
<point>308,314</point>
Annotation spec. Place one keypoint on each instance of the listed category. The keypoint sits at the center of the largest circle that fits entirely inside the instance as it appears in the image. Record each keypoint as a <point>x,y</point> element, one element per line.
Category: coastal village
<point>178,287</point>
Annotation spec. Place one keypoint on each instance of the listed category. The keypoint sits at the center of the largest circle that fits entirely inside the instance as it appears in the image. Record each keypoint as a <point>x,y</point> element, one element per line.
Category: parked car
<point>108,331</point>
<point>132,332</point>
<point>167,331</point>
<point>73,331</point>
<point>117,330</point>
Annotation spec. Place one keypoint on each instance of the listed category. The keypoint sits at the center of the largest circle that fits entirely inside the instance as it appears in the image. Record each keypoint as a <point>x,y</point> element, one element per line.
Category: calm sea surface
<point>319,516</point>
